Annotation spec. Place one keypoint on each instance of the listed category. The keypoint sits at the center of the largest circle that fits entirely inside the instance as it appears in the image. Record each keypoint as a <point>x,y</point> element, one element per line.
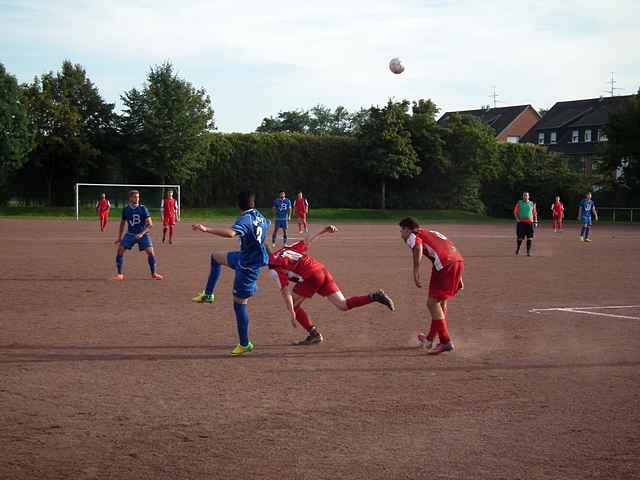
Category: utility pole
<point>612,86</point>
<point>494,96</point>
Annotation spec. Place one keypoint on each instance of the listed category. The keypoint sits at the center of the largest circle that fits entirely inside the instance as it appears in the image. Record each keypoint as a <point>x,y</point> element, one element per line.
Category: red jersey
<point>438,248</point>
<point>558,209</point>
<point>169,208</point>
<point>301,206</point>
<point>103,205</point>
<point>292,262</point>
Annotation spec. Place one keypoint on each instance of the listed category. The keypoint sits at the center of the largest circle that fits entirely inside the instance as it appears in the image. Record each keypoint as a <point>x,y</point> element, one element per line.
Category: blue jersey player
<point>252,227</point>
<point>138,221</point>
<point>586,213</point>
<point>282,213</point>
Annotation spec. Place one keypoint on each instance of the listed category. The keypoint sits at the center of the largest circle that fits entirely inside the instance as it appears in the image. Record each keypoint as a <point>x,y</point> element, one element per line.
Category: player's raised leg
<point>217,260</point>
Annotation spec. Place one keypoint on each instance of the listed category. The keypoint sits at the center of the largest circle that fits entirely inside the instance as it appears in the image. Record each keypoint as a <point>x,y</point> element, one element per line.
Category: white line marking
<point>585,311</point>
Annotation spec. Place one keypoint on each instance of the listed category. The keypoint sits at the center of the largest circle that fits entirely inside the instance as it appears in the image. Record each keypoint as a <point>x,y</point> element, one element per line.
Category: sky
<point>256,58</point>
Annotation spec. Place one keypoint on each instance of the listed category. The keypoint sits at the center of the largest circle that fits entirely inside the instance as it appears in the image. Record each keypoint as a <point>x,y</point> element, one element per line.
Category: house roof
<point>579,113</point>
<point>497,118</point>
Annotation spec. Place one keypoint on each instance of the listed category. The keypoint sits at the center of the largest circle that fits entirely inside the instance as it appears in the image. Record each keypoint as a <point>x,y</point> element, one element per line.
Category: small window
<point>513,139</point>
<point>587,135</point>
<point>554,137</point>
<point>541,138</point>
<point>575,136</point>
<point>602,137</point>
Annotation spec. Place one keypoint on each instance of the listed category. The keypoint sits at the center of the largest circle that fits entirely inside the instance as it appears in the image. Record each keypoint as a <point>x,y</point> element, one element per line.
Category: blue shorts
<point>282,224</point>
<point>129,240</point>
<point>586,220</point>
<point>245,284</point>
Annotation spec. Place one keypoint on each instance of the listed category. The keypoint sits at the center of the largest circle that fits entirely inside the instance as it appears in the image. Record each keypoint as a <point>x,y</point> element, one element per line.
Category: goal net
<point>88,194</point>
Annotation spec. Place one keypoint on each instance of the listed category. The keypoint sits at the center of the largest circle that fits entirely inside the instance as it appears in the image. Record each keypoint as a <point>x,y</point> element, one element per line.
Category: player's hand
<point>292,319</point>
<point>199,227</point>
<point>461,285</point>
<point>139,236</point>
<point>117,242</point>
<point>416,280</point>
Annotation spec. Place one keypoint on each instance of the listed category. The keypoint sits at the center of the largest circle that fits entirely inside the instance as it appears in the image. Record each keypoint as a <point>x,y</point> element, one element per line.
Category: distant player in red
<point>446,278</point>
<point>169,212</point>
<point>103,207</point>
<point>558,215</point>
<point>301,207</point>
<point>300,277</point>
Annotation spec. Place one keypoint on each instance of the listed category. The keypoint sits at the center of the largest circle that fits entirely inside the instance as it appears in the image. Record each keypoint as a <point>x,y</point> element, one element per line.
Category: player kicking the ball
<point>300,277</point>
<point>446,278</point>
<point>252,227</point>
<point>137,217</point>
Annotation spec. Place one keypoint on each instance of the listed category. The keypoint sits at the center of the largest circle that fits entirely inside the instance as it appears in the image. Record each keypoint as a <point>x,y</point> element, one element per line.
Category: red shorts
<point>446,283</point>
<point>319,281</point>
<point>558,216</point>
<point>302,217</point>
<point>104,214</point>
<point>168,221</point>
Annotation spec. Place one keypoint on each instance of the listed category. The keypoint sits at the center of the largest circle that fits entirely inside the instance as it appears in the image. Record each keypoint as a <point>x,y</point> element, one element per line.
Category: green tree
<point>16,139</point>
<point>385,141</point>
<point>320,120</point>
<point>70,121</point>
<point>166,126</point>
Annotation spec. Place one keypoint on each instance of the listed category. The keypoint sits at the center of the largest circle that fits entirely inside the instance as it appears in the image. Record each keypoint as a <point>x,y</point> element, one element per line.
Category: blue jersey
<point>282,206</point>
<point>252,227</point>
<point>136,218</point>
<point>587,207</point>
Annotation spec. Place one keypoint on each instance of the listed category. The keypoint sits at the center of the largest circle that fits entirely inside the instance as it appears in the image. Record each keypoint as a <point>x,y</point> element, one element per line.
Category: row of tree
<point>58,130</point>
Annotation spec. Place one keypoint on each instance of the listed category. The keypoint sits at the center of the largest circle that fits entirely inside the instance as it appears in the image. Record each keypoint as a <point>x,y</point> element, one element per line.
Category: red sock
<point>355,302</point>
<point>303,319</point>
<point>433,331</point>
<point>443,331</point>
<point>170,233</point>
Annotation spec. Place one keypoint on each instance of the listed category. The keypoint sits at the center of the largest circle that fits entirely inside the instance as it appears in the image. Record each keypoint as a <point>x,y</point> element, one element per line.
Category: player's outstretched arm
<point>288,301</point>
<point>328,229</point>
<point>223,232</point>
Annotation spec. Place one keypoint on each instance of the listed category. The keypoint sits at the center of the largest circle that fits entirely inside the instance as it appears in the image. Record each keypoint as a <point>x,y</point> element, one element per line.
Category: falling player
<point>526,215</point>
<point>446,278</point>
<point>300,277</point>
<point>586,213</point>
<point>137,217</point>
<point>301,207</point>
<point>169,213</point>
<point>282,214</point>
<point>252,227</point>
<point>103,208</point>
<point>557,209</point>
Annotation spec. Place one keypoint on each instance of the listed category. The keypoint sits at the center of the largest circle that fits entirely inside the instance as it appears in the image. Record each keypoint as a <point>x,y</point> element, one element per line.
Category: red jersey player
<point>446,278</point>
<point>169,212</point>
<point>301,207</point>
<point>300,277</point>
<point>103,207</point>
<point>558,215</point>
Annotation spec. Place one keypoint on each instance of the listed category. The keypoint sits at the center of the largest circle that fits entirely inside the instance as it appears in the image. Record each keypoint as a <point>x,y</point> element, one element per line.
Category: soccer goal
<point>87,194</point>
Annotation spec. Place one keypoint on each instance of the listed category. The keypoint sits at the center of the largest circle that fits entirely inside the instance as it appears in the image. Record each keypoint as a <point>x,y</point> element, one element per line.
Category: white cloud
<point>298,54</point>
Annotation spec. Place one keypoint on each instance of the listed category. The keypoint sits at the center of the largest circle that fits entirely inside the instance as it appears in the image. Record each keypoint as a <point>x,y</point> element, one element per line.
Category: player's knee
<point>240,301</point>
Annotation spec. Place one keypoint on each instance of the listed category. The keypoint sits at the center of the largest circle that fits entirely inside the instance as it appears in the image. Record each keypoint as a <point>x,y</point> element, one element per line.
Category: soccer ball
<point>395,65</point>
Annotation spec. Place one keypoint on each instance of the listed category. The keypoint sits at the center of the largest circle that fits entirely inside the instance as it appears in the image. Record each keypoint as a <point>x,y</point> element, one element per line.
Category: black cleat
<point>383,298</point>
<point>311,339</point>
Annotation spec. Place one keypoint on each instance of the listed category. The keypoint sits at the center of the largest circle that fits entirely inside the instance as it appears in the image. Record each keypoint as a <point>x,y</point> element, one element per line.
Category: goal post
<point>120,190</point>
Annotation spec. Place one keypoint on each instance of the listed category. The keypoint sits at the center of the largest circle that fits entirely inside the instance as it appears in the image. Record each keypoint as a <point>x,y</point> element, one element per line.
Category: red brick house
<point>509,123</point>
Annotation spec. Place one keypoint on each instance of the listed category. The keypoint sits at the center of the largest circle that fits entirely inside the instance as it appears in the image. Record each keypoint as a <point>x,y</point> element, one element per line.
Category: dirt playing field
<point>108,380</point>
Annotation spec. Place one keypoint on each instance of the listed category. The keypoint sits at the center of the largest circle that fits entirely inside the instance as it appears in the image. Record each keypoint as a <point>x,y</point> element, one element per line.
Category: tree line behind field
<point>58,130</point>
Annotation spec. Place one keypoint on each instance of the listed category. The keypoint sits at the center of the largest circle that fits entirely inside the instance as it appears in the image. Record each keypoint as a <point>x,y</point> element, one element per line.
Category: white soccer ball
<point>395,65</point>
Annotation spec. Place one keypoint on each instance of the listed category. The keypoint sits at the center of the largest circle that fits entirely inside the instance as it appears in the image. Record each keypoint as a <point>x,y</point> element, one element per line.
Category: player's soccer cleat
<point>384,299</point>
<point>441,348</point>
<point>119,277</point>
<point>240,350</point>
<point>202,297</point>
<point>424,342</point>
<point>156,276</point>
<point>587,240</point>
<point>311,339</point>
<point>581,238</point>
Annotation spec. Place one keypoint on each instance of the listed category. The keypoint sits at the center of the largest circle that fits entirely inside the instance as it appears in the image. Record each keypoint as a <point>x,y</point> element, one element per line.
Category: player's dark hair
<point>409,222</point>
<point>246,200</point>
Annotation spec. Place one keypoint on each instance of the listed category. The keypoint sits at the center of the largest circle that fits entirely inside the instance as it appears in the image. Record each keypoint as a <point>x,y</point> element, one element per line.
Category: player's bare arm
<point>595,213</point>
<point>287,296</point>
<point>223,232</point>
<point>120,231</point>
<point>328,229</point>
<point>148,225</point>
<point>417,259</point>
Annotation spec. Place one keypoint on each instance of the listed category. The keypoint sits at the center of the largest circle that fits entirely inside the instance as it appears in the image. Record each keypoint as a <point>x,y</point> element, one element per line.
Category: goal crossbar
<point>128,185</point>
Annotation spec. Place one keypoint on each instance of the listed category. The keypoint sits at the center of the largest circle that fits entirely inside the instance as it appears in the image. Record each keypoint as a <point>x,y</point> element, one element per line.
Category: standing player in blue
<point>137,217</point>
<point>282,213</point>
<point>586,211</point>
<point>252,227</point>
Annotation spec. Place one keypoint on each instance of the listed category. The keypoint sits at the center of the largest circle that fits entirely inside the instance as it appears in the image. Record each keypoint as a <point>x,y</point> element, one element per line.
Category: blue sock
<point>242,318</point>
<point>152,263</point>
<point>119,263</point>
<point>284,239</point>
<point>582,230</point>
<point>587,230</point>
<point>214,276</point>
